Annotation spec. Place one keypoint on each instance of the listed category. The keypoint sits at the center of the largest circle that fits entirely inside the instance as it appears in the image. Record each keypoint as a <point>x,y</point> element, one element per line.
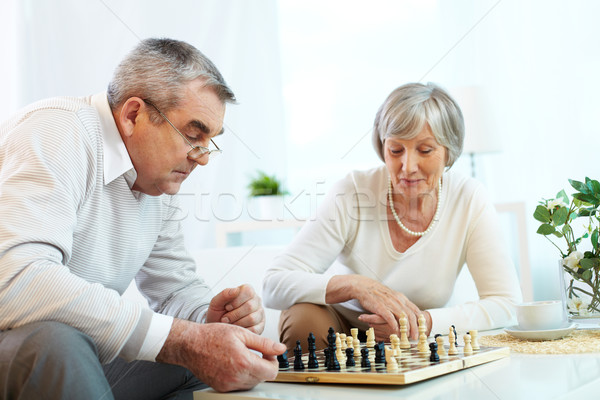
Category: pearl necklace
<point>401,225</point>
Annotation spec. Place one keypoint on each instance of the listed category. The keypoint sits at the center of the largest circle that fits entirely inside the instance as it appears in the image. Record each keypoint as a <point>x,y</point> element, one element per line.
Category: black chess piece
<point>380,353</point>
<point>350,357</point>
<point>334,364</point>
<point>283,361</point>
<point>313,363</point>
<point>434,357</point>
<point>455,335</point>
<point>298,363</point>
<point>364,361</point>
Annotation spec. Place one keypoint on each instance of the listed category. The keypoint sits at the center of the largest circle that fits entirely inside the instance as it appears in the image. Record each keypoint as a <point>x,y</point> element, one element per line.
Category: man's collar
<point>116,158</point>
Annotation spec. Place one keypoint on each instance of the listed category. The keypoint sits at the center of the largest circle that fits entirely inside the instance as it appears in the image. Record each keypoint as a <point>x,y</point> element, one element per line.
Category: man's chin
<point>169,189</point>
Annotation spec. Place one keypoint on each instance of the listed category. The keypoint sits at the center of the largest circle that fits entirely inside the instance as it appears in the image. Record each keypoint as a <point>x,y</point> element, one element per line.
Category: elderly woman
<point>403,230</point>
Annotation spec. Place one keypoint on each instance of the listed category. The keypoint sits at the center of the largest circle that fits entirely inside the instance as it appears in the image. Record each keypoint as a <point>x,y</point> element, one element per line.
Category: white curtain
<point>71,47</point>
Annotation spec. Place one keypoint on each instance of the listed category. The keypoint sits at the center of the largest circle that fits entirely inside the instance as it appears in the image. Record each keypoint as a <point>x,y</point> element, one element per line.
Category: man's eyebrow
<point>201,126</point>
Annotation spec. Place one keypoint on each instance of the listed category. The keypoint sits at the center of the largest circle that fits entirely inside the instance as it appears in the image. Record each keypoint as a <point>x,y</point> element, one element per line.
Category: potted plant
<point>575,223</point>
<point>266,192</point>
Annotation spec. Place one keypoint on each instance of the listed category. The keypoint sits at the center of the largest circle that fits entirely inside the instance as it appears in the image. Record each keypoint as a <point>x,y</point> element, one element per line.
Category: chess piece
<point>364,361</point>
<point>391,362</point>
<point>349,342</point>
<point>343,340</point>
<point>395,342</point>
<point>356,345</point>
<point>474,339</point>
<point>434,357</point>
<point>422,344</point>
<point>327,354</point>
<point>350,357</point>
<point>371,338</point>
<point>283,361</point>
<point>455,335</point>
<point>452,351</point>
<point>334,364</point>
<point>313,362</point>
<point>298,363</point>
<point>468,349</point>
<point>404,342</point>
<point>380,357</point>
<point>441,350</point>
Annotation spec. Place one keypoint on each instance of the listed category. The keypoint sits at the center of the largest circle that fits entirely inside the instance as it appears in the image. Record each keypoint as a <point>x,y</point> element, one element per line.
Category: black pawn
<point>380,353</point>
<point>434,357</point>
<point>283,361</point>
<point>298,363</point>
<point>364,361</point>
<point>350,357</point>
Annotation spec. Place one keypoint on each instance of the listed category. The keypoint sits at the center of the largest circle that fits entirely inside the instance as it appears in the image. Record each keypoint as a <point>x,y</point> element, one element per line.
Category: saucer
<point>549,334</point>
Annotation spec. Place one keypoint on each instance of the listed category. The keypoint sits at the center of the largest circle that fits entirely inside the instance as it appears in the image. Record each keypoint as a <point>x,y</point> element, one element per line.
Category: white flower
<point>552,204</point>
<point>577,305</point>
<point>572,260</point>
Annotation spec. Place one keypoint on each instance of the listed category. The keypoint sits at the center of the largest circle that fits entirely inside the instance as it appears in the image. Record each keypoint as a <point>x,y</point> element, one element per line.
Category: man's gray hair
<point>409,107</point>
<point>158,70</point>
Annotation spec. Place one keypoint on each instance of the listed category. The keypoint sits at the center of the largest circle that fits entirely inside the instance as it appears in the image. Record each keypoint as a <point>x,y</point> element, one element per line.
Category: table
<point>520,376</point>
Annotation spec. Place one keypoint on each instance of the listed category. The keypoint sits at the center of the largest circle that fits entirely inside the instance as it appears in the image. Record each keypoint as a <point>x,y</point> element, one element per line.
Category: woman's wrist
<point>340,288</point>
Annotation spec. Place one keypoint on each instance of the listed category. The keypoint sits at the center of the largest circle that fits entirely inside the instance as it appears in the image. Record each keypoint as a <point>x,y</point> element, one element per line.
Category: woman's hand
<point>385,304</point>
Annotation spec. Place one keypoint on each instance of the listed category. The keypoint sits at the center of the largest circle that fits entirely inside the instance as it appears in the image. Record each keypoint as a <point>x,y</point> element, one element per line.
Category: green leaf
<point>579,186</point>
<point>589,263</point>
<point>563,196</point>
<point>586,198</point>
<point>594,185</point>
<point>587,275</point>
<point>594,239</point>
<point>559,216</point>
<point>558,234</point>
<point>546,229</point>
<point>542,214</point>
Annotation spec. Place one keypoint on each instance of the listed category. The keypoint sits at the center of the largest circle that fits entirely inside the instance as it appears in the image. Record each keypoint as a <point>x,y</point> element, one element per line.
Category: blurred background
<point>310,75</point>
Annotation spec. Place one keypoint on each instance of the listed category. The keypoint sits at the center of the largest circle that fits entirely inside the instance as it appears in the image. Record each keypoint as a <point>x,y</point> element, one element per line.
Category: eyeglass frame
<point>204,151</point>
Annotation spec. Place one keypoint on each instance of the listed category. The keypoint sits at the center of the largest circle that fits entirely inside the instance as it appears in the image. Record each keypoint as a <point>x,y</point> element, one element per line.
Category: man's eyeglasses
<point>197,152</point>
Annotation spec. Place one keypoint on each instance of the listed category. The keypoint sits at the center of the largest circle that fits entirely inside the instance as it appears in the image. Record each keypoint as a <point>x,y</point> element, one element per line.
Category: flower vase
<point>581,299</point>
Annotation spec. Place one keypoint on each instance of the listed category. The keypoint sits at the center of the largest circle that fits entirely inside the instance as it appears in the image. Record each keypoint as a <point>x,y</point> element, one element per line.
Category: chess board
<point>412,367</point>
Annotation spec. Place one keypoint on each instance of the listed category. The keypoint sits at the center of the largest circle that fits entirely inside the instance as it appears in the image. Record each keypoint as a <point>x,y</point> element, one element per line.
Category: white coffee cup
<point>541,315</point>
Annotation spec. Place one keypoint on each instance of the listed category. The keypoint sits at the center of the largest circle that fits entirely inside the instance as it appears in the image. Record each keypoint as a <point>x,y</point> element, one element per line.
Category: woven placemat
<point>582,341</point>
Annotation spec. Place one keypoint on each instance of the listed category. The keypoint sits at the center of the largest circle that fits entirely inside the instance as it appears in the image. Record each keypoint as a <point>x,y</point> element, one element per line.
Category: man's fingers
<point>263,344</point>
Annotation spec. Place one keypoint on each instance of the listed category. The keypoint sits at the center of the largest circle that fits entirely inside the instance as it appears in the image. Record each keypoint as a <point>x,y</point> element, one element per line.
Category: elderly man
<point>86,206</point>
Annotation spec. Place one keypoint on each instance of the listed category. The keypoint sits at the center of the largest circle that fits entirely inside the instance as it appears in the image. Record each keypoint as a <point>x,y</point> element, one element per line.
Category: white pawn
<point>349,342</point>
<point>441,348</point>
<point>452,351</point>
<point>391,362</point>
<point>404,342</point>
<point>468,349</point>
<point>474,339</point>
<point>343,339</point>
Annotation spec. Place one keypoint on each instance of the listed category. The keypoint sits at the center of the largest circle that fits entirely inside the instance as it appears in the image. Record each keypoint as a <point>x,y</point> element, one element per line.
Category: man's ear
<point>129,114</point>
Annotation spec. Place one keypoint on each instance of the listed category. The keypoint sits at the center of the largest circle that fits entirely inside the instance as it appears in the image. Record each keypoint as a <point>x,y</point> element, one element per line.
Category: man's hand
<point>219,355</point>
<point>238,306</point>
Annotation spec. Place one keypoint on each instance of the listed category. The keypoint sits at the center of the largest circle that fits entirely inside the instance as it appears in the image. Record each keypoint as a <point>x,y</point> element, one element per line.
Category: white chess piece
<point>452,351</point>
<point>404,342</point>
<point>422,345</point>
<point>468,349</point>
<point>474,339</point>
<point>441,348</point>
<point>371,338</point>
<point>391,362</point>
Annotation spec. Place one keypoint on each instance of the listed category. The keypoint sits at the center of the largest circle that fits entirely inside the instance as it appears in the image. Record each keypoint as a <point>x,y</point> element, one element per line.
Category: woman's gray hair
<point>409,107</point>
<point>159,70</point>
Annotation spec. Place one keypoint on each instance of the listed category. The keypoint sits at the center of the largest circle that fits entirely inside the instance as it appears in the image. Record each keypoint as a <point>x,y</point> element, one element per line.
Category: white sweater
<point>351,229</point>
<point>73,234</point>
